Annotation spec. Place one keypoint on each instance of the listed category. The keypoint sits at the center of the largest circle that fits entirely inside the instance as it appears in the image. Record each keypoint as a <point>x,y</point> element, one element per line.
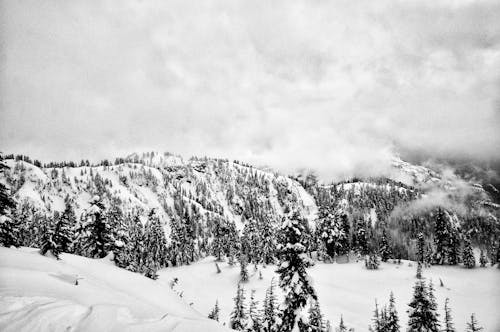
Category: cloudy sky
<point>336,86</point>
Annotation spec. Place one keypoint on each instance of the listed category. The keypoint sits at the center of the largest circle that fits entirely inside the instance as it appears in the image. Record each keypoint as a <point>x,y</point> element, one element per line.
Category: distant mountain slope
<point>213,187</point>
<point>210,191</point>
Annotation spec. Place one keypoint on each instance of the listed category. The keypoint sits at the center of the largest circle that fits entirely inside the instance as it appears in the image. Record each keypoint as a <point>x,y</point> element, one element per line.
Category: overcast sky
<point>336,86</point>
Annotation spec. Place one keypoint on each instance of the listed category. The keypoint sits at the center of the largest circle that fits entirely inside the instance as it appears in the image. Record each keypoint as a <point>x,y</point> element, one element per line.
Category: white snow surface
<point>350,290</point>
<point>38,293</point>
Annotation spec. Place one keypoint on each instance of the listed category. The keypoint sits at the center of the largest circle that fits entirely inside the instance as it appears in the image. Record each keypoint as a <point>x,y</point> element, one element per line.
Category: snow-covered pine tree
<point>331,231</point>
<point>316,322</point>
<point>473,325</point>
<point>254,317</point>
<point>95,234</point>
<point>422,317</point>
<point>432,299</point>
<point>392,320</point>
<point>243,268</point>
<point>57,237</point>
<point>448,320</point>
<point>69,221</point>
<point>238,320</point>
<point>214,314</point>
<point>372,262</point>
<point>294,280</point>
<point>419,270</point>
<point>271,312</point>
<point>361,242</point>
<point>482,259</point>
<point>453,246</point>
<point>377,323</point>
<point>342,327</point>
<point>154,241</point>
<point>441,238</point>
<point>420,248</point>
<point>385,250</point>
<point>9,228</point>
<point>468,255</point>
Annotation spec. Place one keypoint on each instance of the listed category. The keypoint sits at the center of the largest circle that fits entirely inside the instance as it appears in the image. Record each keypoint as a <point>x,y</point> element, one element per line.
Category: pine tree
<point>377,323</point>
<point>372,263</point>
<point>238,319</point>
<point>420,248</point>
<point>292,270</point>
<point>441,238</point>
<point>243,269</point>
<point>57,237</point>
<point>270,308</point>
<point>419,270</point>
<point>385,250</point>
<point>315,318</point>
<point>254,314</point>
<point>68,222</point>
<point>392,322</point>
<point>155,243</point>
<point>342,327</point>
<point>9,228</point>
<point>482,259</point>
<point>473,326</point>
<point>448,323</point>
<point>421,314</point>
<point>214,314</point>
<point>95,232</point>
<point>468,255</point>
<point>432,299</point>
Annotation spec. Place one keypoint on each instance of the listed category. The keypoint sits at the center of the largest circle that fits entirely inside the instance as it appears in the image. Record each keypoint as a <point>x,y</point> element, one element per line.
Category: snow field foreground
<point>350,290</point>
<point>38,293</point>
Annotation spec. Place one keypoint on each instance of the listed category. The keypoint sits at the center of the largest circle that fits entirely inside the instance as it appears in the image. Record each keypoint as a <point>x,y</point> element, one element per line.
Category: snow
<point>350,290</point>
<point>38,293</point>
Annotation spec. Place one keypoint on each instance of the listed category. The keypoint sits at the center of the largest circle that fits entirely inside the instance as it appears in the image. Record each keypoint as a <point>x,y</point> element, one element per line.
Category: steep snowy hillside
<point>212,187</point>
<point>39,293</point>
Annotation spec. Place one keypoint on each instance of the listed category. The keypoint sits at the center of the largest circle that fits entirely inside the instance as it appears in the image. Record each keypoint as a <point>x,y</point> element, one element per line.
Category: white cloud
<point>333,86</point>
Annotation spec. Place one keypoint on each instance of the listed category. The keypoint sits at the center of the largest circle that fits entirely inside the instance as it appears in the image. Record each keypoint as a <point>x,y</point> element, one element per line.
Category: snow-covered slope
<point>350,290</point>
<point>212,187</point>
<point>38,293</point>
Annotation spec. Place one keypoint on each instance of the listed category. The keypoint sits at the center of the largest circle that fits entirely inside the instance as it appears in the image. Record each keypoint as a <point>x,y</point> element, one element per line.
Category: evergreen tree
<point>214,314</point>
<point>448,323</point>
<point>473,325</point>
<point>419,270</point>
<point>315,318</point>
<point>371,262</point>
<point>94,233</point>
<point>377,322</point>
<point>68,222</point>
<point>292,270</point>
<point>468,255</point>
<point>9,228</point>
<point>155,243</point>
<point>441,238</point>
<point>385,250</point>
<point>342,327</point>
<point>243,269</point>
<point>254,314</point>
<point>333,230</point>
<point>270,308</point>
<point>422,317</point>
<point>238,319</point>
<point>420,248</point>
<point>392,321</point>
<point>482,259</point>
<point>360,241</point>
<point>57,237</point>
